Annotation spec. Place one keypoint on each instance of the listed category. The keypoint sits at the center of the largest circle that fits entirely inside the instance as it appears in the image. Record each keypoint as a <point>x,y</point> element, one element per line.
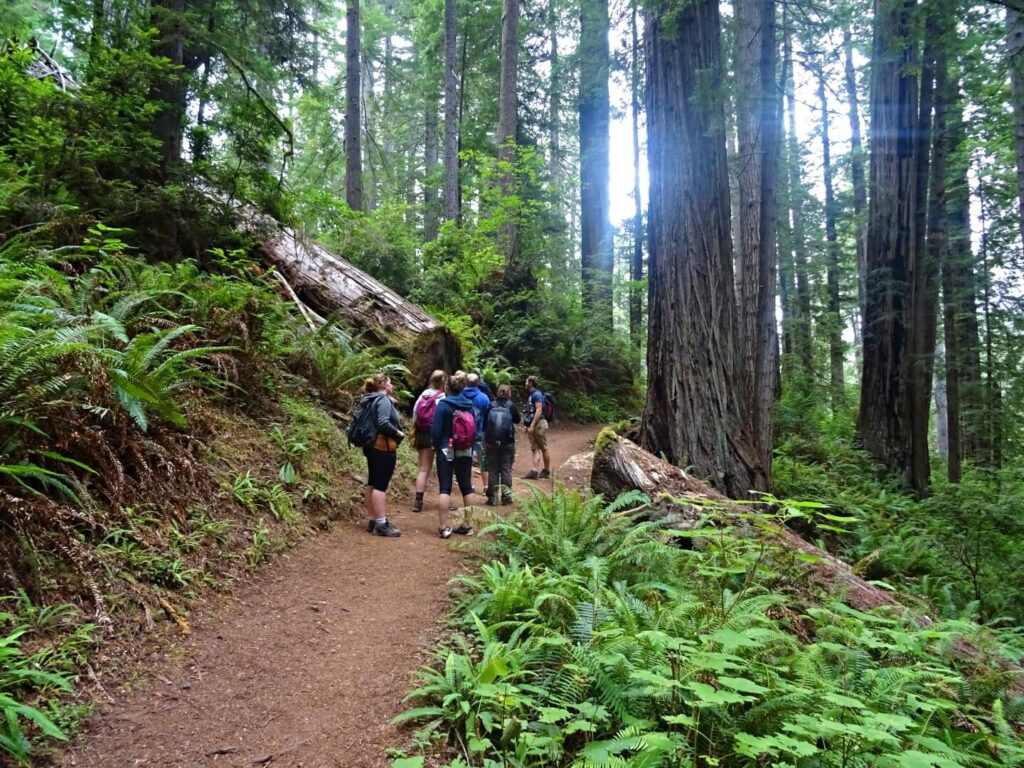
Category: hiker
<point>452,435</point>
<point>381,454</point>
<point>423,414</point>
<point>500,421</point>
<point>480,402</point>
<point>537,431</point>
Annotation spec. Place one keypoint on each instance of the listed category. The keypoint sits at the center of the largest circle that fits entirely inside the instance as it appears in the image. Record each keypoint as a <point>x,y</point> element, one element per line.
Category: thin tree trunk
<point>860,194</point>
<point>353,147</point>
<point>942,420</point>
<point>835,317</point>
<point>167,16</point>
<point>992,391</point>
<point>802,330</point>
<point>97,31</point>
<point>554,96</point>
<point>368,103</point>
<point>430,169</point>
<point>1015,59</point>
<point>451,117</point>
<point>508,107</point>
<point>461,115</point>
<point>594,107</point>
<point>758,132</point>
<point>692,414</point>
<point>636,263</point>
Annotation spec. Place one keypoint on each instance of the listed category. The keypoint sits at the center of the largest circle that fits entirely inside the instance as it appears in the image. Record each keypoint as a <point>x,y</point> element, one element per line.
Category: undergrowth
<point>583,640</point>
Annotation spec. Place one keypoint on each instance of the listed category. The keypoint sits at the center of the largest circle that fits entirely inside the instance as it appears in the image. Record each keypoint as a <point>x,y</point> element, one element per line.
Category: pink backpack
<point>463,430</point>
<point>425,409</point>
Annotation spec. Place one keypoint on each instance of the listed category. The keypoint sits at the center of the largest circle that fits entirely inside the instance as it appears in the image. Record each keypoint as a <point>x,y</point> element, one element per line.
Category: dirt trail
<point>305,667</point>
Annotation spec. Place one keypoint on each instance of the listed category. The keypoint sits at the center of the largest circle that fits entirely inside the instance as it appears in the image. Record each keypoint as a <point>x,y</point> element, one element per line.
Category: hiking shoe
<point>544,474</point>
<point>417,507</point>
<point>507,501</point>
<point>386,529</point>
<point>445,533</point>
<point>531,475</point>
<point>369,525</point>
<point>465,530</point>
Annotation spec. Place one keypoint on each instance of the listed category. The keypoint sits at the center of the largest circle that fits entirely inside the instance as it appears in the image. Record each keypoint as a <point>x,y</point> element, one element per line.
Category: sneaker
<point>386,529</point>
<point>531,475</point>
<point>445,533</point>
<point>465,530</point>
<point>545,474</point>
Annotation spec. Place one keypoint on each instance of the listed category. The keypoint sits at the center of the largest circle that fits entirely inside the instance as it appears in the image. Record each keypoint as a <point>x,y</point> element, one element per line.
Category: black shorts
<point>421,440</point>
<point>380,467</point>
<point>462,471</point>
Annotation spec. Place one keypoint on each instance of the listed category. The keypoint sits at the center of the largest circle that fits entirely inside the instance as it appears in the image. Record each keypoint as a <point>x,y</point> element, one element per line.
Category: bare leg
<point>443,500</point>
<point>547,459</point>
<point>379,504</point>
<point>426,462</point>
<point>368,501</point>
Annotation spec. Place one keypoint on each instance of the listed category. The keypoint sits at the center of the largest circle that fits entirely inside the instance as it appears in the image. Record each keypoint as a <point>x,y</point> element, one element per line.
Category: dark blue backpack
<point>499,430</point>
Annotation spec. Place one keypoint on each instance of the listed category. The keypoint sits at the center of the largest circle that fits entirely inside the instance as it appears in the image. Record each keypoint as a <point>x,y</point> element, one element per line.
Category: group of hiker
<point>457,424</point>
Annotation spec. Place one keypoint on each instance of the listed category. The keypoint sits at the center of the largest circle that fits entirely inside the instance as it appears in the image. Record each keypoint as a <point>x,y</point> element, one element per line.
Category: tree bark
<point>554,96</point>
<point>636,262</point>
<point>860,194</point>
<point>167,17</point>
<point>594,106</point>
<point>430,169</point>
<point>692,414</point>
<point>508,109</point>
<point>758,129</point>
<point>331,286</point>
<point>1015,60</point>
<point>802,328</point>
<point>835,317</point>
<point>353,147</point>
<point>451,116</point>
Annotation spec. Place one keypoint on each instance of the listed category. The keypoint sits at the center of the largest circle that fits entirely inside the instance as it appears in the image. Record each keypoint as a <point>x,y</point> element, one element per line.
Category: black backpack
<point>362,430</point>
<point>548,409</point>
<point>499,429</point>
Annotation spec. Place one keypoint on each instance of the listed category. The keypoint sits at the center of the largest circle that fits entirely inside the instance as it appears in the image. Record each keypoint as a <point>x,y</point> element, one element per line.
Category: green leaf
<point>709,695</point>
<point>408,762</point>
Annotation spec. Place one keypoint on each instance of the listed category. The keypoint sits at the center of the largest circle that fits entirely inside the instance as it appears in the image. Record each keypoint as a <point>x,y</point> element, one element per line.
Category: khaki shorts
<point>539,436</point>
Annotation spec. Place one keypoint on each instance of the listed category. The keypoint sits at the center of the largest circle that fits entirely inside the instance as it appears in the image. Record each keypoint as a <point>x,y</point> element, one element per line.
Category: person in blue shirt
<point>480,404</point>
<point>452,462</point>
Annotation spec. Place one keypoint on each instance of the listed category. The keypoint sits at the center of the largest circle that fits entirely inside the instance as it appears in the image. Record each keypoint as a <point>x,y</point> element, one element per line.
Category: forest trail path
<point>306,666</point>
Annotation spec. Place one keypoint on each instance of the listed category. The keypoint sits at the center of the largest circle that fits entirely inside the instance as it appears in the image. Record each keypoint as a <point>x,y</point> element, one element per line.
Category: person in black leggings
<point>382,455</point>
<point>452,462</point>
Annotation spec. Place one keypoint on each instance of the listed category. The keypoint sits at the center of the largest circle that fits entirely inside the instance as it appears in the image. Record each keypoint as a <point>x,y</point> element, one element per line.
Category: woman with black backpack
<point>500,419</point>
<point>381,454</point>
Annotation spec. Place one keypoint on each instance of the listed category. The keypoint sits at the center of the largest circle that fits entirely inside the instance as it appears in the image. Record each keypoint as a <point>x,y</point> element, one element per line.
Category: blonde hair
<point>438,379</point>
<point>457,382</point>
<point>504,392</point>
<point>376,383</point>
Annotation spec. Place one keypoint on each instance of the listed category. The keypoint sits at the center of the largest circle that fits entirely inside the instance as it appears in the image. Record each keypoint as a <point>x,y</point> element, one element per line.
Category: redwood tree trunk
<point>429,169</point>
<point>166,16</point>
<point>594,106</point>
<point>758,129</point>
<point>860,194</point>
<point>692,414</point>
<point>1015,59</point>
<point>636,262</point>
<point>508,107</point>
<point>353,145</point>
<point>835,317</point>
<point>451,117</point>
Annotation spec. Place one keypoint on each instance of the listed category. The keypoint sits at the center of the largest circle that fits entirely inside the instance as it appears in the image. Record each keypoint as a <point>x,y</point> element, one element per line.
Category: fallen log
<point>680,500</point>
<point>332,287</point>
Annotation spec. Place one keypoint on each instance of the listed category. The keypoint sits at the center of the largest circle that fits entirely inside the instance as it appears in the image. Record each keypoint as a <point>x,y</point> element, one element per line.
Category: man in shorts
<point>537,431</point>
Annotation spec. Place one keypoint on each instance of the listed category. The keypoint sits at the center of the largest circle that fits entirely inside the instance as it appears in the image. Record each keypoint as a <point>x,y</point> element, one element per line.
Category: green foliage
<point>585,641</point>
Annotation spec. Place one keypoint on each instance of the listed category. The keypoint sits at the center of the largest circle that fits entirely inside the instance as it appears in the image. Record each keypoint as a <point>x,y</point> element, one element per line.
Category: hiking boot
<point>531,475</point>
<point>507,501</point>
<point>544,474</point>
<point>417,506</point>
<point>465,530</point>
<point>386,529</point>
<point>445,533</point>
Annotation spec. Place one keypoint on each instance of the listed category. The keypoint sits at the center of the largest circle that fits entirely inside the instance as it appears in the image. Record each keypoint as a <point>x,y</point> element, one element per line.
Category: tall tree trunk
<point>992,392</point>
<point>1015,59</point>
<point>860,193</point>
<point>430,169</point>
<point>692,414</point>
<point>451,117</point>
<point>368,106</point>
<point>97,36</point>
<point>594,106</point>
<point>758,129</point>
<point>942,420</point>
<point>802,330</point>
<point>897,349</point>
<point>554,95</point>
<point>835,317</point>
<point>167,16</point>
<point>636,262</point>
<point>353,146</point>
<point>960,305</point>
<point>508,107</point>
